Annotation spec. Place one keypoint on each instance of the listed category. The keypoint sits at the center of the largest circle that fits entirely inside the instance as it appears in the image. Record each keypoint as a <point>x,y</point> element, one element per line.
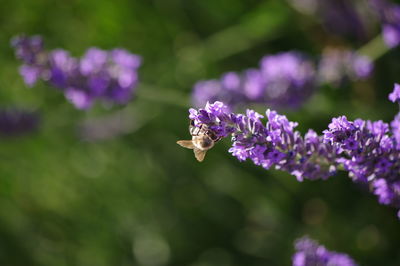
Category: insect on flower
<point>203,139</point>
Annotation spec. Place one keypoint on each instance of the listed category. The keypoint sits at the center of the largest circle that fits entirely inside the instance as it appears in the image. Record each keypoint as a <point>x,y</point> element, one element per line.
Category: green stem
<point>374,48</point>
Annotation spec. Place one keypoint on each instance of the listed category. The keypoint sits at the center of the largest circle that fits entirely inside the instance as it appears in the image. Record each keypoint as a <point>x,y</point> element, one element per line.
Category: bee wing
<point>199,154</point>
<point>186,144</point>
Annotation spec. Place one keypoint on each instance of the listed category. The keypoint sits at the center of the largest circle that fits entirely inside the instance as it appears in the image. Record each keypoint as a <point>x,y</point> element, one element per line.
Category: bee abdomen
<point>203,142</point>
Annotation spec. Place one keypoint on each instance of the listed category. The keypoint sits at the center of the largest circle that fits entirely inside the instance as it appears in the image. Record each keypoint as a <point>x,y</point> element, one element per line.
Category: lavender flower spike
<point>274,144</point>
<point>340,17</point>
<point>310,253</point>
<point>16,122</point>
<point>282,80</point>
<point>98,75</point>
<point>389,14</point>
<point>368,150</point>
<point>336,66</point>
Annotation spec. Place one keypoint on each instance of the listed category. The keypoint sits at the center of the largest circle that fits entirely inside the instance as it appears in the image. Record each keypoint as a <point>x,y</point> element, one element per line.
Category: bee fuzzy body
<point>203,139</point>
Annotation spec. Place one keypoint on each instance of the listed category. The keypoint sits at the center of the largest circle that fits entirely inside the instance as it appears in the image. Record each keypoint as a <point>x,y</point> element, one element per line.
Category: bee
<point>203,139</point>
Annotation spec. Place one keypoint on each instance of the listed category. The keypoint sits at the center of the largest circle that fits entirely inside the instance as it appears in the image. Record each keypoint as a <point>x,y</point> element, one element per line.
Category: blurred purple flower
<point>30,74</point>
<point>361,67</point>
<point>289,79</point>
<point>395,95</point>
<point>395,125</point>
<point>27,49</point>
<point>336,65</point>
<point>283,80</point>
<point>391,35</point>
<point>15,122</point>
<point>341,17</point>
<point>98,75</point>
<point>228,89</point>
<point>310,253</point>
<point>31,52</point>
<point>367,150</point>
<point>389,14</point>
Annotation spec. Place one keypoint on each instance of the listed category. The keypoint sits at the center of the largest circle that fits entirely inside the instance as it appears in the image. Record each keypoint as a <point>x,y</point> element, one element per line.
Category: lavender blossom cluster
<point>389,14</point>
<point>355,19</point>
<point>310,253</point>
<point>336,66</point>
<point>16,122</point>
<point>369,151</point>
<point>340,17</point>
<point>99,75</point>
<point>284,80</point>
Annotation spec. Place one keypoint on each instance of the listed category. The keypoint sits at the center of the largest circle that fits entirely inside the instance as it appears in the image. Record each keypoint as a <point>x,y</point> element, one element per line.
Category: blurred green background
<point>137,198</point>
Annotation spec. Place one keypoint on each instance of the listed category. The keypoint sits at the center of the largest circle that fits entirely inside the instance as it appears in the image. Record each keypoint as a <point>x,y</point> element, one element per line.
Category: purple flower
<point>395,95</point>
<point>15,122</point>
<point>289,79</point>
<point>110,76</point>
<point>395,125</point>
<point>275,156</point>
<point>30,74</point>
<point>340,17</point>
<point>391,35</point>
<point>31,52</point>
<point>384,191</point>
<point>375,159</point>
<point>310,253</point>
<point>282,80</point>
<point>335,66</point>
<point>383,165</point>
<point>78,98</point>
<point>274,144</point>
<point>362,67</point>
<point>213,90</point>
<point>367,150</point>
<point>351,144</point>
<point>389,14</point>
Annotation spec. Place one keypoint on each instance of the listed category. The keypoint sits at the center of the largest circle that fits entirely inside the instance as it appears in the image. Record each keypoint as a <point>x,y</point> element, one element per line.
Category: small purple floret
<point>391,35</point>
<point>395,95</point>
